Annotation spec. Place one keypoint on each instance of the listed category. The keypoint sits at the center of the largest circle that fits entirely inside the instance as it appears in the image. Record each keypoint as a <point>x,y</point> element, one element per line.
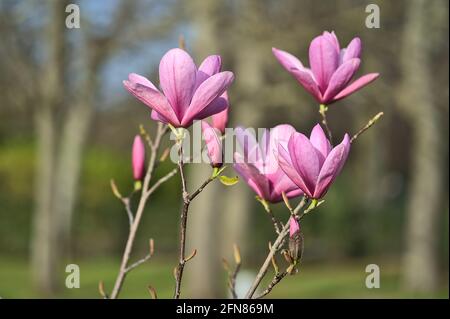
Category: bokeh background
<point>67,126</point>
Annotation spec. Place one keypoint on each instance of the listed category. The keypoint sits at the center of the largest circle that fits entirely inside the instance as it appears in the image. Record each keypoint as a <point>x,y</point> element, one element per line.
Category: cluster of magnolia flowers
<point>284,163</point>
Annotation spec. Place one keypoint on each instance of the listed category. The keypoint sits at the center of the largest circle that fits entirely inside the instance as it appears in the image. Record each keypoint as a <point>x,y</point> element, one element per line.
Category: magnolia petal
<point>304,159</point>
<point>211,65</point>
<point>206,93</point>
<point>323,59</point>
<point>320,142</point>
<point>306,79</point>
<point>332,167</point>
<point>341,78</point>
<point>356,85</point>
<point>154,99</point>
<point>177,74</point>
<point>285,162</point>
<point>287,60</point>
<point>353,50</point>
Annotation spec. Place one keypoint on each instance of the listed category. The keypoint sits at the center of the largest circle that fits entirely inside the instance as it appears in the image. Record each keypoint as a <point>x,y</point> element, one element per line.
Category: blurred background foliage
<point>65,113</point>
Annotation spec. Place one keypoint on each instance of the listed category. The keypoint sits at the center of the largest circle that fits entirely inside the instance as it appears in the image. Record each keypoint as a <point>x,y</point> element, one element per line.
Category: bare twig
<point>369,124</point>
<point>276,279</point>
<point>145,193</point>
<point>232,274</point>
<point>187,198</point>
<point>278,244</point>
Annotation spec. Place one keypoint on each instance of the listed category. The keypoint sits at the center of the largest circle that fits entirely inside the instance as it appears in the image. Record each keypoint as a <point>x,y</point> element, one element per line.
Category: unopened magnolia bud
<point>295,240</point>
<point>138,158</point>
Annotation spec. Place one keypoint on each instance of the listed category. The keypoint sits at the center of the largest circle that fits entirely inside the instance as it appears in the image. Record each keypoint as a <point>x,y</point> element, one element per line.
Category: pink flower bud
<point>138,158</point>
<point>213,144</point>
<point>294,227</point>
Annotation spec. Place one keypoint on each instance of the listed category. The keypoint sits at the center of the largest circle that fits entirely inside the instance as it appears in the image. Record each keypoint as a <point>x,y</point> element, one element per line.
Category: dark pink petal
<point>304,159</point>
<point>154,99</point>
<point>285,162</point>
<point>251,175</point>
<point>320,142</point>
<point>324,60</point>
<point>210,66</point>
<point>139,79</point>
<point>213,144</point>
<point>340,79</point>
<point>353,50</point>
<point>287,60</point>
<point>306,79</point>
<point>332,167</point>
<point>177,74</point>
<point>207,92</point>
<point>356,85</point>
<point>294,227</point>
<point>138,158</point>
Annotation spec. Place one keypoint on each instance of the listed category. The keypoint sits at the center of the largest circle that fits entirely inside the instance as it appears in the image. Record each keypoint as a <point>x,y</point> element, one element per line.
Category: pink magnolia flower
<point>258,166</point>
<point>294,227</point>
<point>332,68</point>
<point>213,144</point>
<point>138,158</point>
<point>312,164</point>
<point>188,93</point>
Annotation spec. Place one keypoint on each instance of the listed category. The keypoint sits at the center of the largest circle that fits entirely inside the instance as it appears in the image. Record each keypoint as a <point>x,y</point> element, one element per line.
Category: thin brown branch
<point>369,124</point>
<point>145,193</point>
<point>276,279</point>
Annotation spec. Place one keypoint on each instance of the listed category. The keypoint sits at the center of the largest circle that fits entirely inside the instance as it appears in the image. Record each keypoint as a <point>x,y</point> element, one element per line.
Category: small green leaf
<point>228,181</point>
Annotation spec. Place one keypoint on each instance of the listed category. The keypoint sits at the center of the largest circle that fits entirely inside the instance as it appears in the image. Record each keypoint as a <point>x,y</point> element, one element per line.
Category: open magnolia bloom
<point>311,163</point>
<point>258,164</point>
<point>188,93</point>
<point>332,68</point>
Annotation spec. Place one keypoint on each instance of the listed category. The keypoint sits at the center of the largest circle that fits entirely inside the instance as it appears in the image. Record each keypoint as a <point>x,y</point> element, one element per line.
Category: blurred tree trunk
<point>44,242</point>
<point>425,192</point>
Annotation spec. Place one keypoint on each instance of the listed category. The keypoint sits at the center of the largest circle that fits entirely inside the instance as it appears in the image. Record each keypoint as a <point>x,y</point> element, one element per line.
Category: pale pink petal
<point>139,79</point>
<point>252,177</point>
<point>177,74</point>
<point>154,99</point>
<point>287,60</point>
<point>220,120</point>
<point>306,79</point>
<point>210,66</point>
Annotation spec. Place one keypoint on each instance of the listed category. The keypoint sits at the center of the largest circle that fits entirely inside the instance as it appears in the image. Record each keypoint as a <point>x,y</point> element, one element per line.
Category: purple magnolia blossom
<point>188,93</point>
<point>312,164</point>
<point>332,68</point>
<point>138,158</point>
<point>258,164</point>
<point>213,144</point>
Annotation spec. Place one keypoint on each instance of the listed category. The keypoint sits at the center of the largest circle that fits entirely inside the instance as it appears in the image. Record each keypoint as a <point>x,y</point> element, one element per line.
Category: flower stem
<point>323,112</point>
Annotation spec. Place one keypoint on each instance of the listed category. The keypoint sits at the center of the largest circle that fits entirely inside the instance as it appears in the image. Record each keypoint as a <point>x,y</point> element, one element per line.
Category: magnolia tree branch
<point>135,221</point>
<point>323,112</point>
<point>277,245</point>
<point>187,198</point>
